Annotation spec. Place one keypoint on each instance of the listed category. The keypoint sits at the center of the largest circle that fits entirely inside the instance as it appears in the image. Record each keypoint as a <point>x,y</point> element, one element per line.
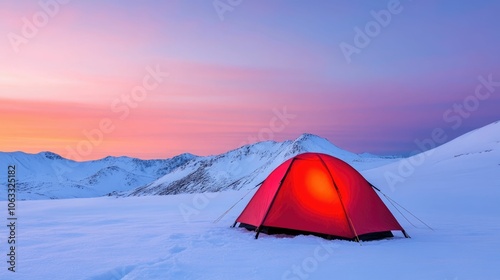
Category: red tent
<point>318,194</point>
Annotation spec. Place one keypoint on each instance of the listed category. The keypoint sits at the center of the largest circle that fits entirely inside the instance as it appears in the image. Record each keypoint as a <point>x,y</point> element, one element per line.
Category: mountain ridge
<point>253,163</point>
<point>47,175</point>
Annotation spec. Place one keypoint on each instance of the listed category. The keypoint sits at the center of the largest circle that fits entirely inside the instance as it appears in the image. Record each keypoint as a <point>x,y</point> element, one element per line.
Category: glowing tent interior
<point>318,194</point>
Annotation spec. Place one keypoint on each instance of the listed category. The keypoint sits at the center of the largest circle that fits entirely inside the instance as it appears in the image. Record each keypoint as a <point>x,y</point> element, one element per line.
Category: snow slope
<point>174,236</point>
<point>473,155</point>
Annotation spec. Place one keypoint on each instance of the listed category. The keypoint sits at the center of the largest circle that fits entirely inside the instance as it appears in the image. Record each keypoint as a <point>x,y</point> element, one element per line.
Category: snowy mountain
<point>473,155</point>
<point>476,150</point>
<point>48,176</point>
<point>247,166</point>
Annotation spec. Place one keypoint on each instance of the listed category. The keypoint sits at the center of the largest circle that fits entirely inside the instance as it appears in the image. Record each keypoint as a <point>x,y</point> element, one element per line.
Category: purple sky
<point>229,70</point>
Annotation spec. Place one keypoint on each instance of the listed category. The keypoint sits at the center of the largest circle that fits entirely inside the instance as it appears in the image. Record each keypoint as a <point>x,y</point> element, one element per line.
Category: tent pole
<point>257,234</point>
<point>351,225</point>
<point>274,197</point>
<point>234,223</point>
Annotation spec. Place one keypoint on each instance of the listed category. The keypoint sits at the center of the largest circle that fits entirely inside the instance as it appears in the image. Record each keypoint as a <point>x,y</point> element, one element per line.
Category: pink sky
<point>226,77</point>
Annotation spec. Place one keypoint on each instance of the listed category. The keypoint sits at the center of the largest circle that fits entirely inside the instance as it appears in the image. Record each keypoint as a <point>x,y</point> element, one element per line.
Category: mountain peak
<point>188,156</point>
<point>309,137</point>
<point>308,140</point>
<point>50,155</point>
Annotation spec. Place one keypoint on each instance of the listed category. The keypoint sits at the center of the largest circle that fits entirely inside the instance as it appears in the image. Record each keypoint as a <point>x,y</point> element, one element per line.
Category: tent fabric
<point>320,194</point>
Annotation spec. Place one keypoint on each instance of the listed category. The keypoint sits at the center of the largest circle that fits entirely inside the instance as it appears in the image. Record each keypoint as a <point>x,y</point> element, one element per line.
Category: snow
<point>175,237</point>
<point>151,238</point>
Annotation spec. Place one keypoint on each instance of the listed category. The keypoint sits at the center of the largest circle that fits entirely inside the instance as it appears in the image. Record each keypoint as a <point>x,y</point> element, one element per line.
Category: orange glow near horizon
<point>60,127</point>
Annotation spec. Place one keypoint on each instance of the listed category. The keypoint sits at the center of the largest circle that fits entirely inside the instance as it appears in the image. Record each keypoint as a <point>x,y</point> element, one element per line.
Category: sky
<point>153,79</point>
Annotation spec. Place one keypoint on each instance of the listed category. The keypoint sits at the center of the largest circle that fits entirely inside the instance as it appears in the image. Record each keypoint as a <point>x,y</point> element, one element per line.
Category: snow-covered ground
<point>174,237</point>
<point>455,189</point>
